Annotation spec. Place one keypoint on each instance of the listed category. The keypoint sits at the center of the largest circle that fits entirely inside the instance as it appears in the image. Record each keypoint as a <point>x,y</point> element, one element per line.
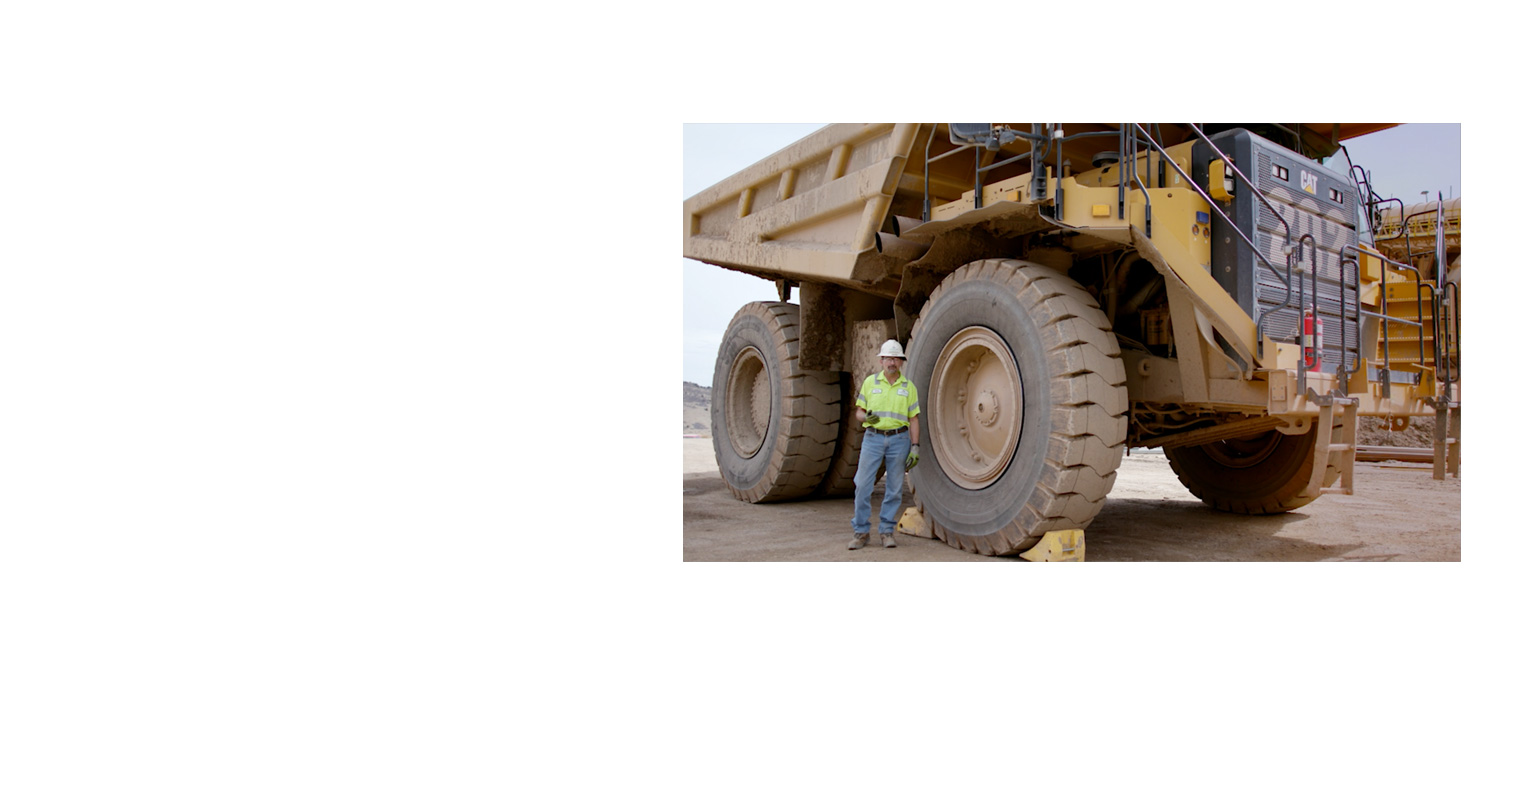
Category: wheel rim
<point>747,403</point>
<point>1241,453</point>
<point>977,406</point>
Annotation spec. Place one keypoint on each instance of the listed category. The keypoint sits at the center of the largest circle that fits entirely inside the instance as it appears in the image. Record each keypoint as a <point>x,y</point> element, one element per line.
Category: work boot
<point>858,540</point>
<point>888,540</point>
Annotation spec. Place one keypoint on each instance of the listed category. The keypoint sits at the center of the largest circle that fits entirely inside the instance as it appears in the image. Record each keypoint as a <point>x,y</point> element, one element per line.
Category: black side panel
<point>1312,200</point>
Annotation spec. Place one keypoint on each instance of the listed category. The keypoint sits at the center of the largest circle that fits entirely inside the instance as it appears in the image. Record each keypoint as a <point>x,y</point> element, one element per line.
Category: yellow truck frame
<point>1066,292</point>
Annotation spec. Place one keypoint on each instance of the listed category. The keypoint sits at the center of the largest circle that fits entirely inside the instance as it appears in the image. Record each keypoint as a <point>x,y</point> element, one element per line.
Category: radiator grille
<point>1312,200</point>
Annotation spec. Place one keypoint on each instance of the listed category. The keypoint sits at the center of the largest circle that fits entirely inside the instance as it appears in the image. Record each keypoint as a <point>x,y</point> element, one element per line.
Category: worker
<point>889,408</point>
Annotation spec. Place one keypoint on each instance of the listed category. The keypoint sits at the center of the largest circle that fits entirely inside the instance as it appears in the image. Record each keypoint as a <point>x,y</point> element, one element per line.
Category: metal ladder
<point>1341,454</point>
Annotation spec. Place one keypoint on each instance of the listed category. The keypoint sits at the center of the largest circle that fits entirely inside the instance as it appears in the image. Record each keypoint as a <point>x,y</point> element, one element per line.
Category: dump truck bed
<point>827,207</point>
<point>807,212</point>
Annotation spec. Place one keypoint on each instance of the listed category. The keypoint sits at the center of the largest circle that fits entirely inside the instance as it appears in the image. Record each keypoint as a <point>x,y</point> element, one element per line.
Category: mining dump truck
<point>1067,292</point>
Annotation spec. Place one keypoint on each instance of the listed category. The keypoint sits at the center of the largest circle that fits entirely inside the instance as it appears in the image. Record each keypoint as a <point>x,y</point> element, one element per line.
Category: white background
<point>337,460</point>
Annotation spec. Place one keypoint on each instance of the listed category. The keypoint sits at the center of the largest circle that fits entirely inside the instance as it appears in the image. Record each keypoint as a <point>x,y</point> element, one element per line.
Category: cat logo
<point>1309,182</point>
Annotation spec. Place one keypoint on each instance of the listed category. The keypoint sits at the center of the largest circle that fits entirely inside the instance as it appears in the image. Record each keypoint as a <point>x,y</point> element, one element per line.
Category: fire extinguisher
<point>1313,340</point>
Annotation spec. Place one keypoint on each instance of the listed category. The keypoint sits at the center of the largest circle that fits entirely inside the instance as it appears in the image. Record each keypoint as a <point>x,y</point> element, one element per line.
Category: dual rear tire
<point>775,424</point>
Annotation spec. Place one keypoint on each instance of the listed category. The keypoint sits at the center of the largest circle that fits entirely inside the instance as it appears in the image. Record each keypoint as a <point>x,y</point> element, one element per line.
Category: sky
<point>1403,161</point>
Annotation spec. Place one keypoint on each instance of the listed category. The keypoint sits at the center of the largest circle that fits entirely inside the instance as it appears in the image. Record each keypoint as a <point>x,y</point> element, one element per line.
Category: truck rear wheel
<point>774,423</point>
<point>1023,405</point>
<point>840,479</point>
<point>1259,475</point>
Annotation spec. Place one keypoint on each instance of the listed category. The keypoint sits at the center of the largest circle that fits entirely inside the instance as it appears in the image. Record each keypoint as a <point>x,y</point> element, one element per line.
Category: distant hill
<point>696,405</point>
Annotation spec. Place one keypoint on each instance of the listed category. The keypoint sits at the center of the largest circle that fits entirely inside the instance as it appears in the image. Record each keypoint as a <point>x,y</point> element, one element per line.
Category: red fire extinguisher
<point>1313,340</point>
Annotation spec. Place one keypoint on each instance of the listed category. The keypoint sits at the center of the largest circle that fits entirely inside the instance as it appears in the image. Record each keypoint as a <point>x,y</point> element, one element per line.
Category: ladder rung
<point>1341,448</point>
<point>1335,491</point>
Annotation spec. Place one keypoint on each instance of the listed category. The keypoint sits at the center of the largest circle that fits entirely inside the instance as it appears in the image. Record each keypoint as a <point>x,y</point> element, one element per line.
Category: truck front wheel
<point>774,423</point>
<point>1257,475</point>
<point>1024,400</point>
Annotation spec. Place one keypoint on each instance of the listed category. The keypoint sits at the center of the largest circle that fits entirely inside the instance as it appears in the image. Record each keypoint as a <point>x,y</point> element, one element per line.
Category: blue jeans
<point>888,451</point>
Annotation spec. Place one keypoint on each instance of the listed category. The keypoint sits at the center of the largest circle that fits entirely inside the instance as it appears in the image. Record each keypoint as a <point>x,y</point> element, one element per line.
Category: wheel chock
<point>1066,545</point>
<point>913,523</point>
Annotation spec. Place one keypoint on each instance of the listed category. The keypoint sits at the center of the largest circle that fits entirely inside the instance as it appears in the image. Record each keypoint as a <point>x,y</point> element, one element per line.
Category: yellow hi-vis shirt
<point>889,405</point>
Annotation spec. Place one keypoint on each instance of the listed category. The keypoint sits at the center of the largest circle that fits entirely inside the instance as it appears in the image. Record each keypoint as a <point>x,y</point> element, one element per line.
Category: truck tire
<point>1023,406</point>
<point>840,479</point>
<point>1260,475</point>
<point>774,423</point>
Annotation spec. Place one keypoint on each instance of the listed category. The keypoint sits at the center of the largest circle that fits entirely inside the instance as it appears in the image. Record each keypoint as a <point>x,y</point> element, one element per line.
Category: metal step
<point>1343,453</point>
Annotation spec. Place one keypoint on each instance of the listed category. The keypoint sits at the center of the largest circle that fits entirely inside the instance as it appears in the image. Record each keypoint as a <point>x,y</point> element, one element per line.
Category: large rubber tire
<point>1260,475</point>
<point>840,479</point>
<point>1055,388</point>
<point>774,423</point>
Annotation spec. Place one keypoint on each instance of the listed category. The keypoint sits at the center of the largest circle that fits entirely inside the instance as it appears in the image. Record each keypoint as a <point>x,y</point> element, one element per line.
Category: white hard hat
<point>891,349</point>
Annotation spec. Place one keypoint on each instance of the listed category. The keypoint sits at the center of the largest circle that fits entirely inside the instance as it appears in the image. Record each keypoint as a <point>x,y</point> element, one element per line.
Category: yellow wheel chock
<point>913,523</point>
<point>1067,545</point>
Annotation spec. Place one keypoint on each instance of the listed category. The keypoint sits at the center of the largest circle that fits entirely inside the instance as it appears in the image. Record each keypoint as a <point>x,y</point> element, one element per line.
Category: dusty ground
<point>1398,513</point>
<point>1419,432</point>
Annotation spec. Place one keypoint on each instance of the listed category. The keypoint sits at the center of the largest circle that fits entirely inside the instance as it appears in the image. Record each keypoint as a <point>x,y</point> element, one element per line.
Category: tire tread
<point>1089,402</point>
<point>808,411</point>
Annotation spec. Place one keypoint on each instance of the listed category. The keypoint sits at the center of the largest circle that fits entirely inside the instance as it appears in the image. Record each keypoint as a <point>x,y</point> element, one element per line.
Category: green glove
<point>913,458</point>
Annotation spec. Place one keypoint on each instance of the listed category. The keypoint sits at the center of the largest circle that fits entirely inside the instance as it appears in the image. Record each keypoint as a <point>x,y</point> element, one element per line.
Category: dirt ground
<point>1398,513</point>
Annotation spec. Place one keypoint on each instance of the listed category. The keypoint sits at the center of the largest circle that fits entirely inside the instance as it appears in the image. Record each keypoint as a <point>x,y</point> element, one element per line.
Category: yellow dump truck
<point>1067,292</point>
